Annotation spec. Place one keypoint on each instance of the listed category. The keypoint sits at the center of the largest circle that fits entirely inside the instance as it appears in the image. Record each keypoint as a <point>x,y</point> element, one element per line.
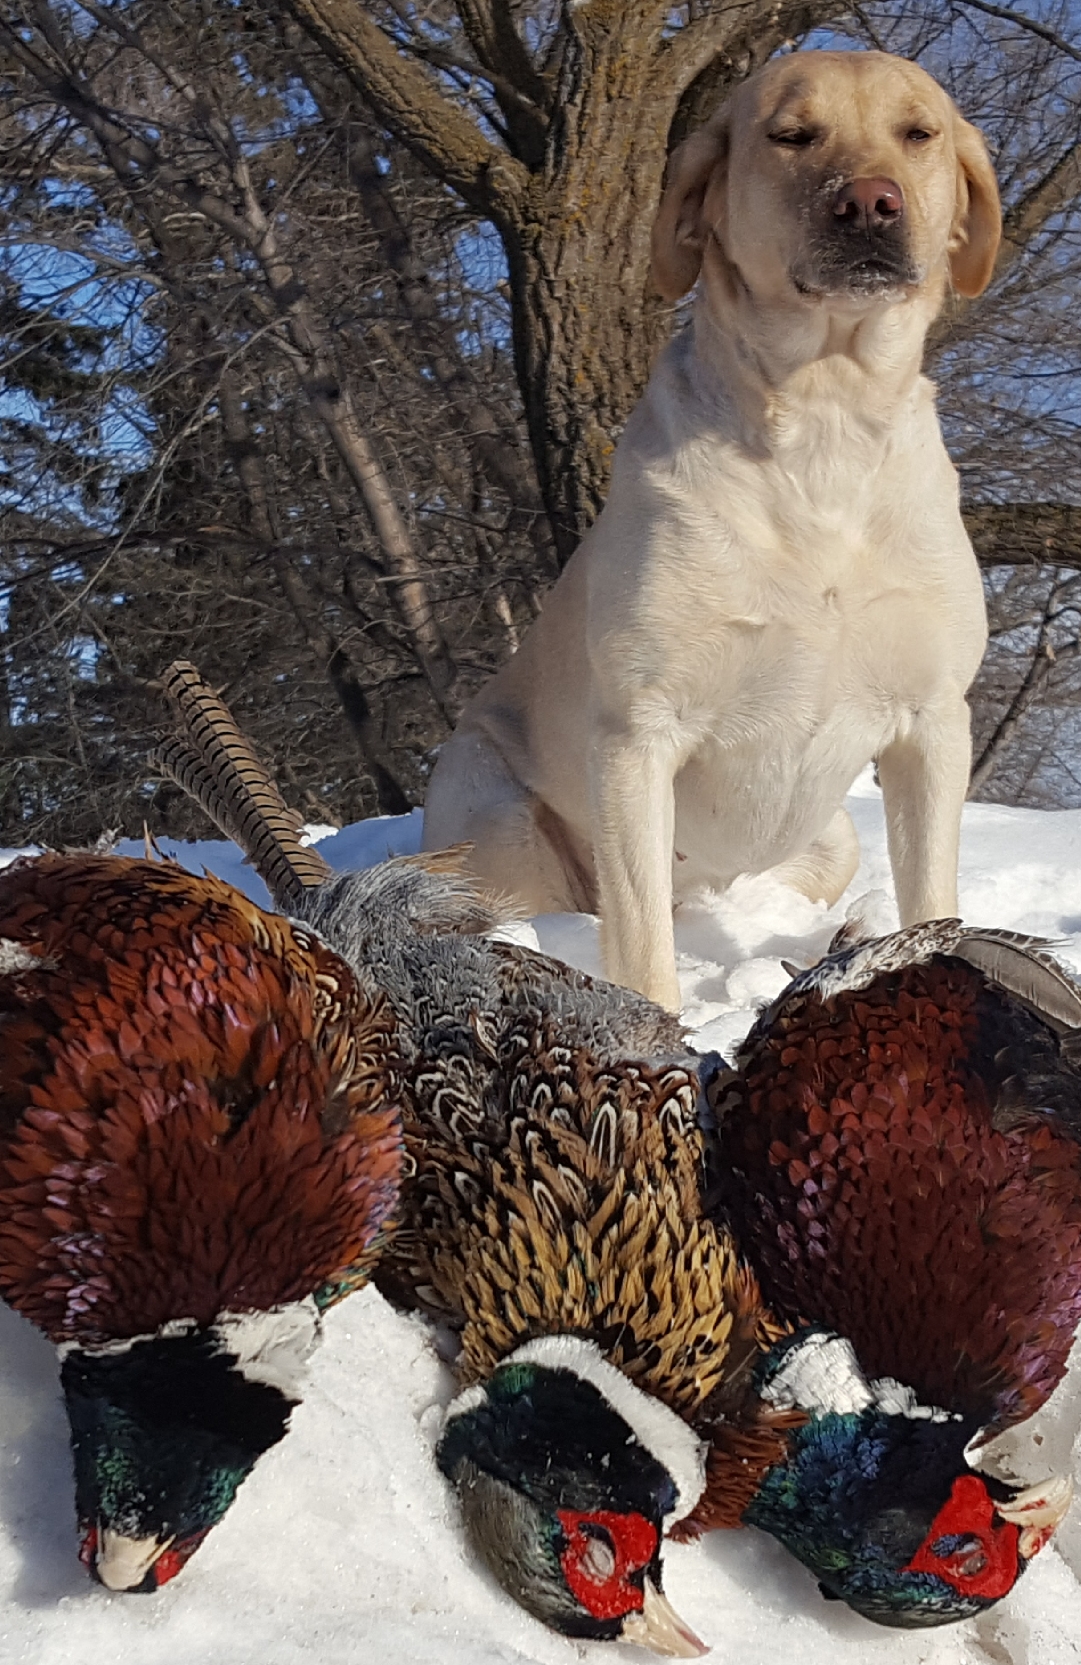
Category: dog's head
<point>843,178</point>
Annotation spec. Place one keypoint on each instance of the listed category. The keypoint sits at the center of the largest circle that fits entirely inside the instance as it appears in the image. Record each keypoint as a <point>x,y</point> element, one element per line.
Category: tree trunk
<point>1030,534</point>
<point>586,324</point>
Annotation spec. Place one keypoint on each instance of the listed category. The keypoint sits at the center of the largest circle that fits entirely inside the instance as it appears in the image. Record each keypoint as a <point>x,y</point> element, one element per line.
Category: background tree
<point>319,321</point>
<point>561,145</point>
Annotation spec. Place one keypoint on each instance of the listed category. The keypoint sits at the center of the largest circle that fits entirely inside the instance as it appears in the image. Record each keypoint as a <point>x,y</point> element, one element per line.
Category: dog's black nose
<point>869,203</point>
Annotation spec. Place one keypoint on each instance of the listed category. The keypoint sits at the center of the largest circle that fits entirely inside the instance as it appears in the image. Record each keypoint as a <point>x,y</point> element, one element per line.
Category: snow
<point>343,1546</point>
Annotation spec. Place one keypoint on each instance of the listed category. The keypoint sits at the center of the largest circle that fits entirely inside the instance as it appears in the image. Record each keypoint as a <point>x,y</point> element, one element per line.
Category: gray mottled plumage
<point>1021,965</point>
<point>422,936</point>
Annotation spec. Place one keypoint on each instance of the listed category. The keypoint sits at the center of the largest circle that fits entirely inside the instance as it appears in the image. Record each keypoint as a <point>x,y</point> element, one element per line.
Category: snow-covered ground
<point>343,1548</point>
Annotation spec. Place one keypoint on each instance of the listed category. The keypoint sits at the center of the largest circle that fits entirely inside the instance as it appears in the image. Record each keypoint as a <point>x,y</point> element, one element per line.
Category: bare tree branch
<point>139,164</point>
<point>1055,191</point>
<point>413,108</point>
<point>1031,24</point>
<point>1060,186</point>
<point>522,94</point>
<point>342,673</point>
<point>246,244</point>
<point>1044,658</point>
<point>717,38</point>
<point>1019,534</point>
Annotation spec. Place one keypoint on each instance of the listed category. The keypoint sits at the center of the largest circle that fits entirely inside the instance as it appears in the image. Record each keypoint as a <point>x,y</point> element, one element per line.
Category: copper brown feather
<point>903,1158</point>
<point>198,1107</point>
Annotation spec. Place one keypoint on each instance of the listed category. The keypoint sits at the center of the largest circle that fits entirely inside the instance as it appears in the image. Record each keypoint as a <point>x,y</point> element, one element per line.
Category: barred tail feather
<point>427,894</point>
<point>215,764</point>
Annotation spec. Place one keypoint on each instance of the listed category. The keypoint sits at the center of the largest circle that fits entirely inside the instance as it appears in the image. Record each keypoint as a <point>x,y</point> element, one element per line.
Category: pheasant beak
<point>1038,1511</point>
<point>659,1627</point>
<point>123,1563</point>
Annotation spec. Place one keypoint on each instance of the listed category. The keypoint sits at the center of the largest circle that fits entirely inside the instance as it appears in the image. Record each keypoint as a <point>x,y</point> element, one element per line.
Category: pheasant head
<point>165,1427</point>
<point>878,1498</point>
<point>568,1477</point>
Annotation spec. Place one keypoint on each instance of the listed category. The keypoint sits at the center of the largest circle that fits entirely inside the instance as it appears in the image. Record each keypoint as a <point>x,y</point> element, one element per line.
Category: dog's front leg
<point>633,812</point>
<point>924,775</point>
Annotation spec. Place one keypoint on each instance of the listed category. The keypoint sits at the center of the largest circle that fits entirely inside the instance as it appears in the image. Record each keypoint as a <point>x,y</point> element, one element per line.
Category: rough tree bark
<point>1026,534</point>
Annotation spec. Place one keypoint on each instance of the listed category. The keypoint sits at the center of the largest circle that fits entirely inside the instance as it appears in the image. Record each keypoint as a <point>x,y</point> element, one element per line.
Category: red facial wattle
<point>986,1563</point>
<point>176,1556</point>
<point>168,1564</point>
<point>602,1550</point>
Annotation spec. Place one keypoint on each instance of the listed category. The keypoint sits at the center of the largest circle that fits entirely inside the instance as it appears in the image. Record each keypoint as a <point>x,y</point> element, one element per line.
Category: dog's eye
<point>918,135</point>
<point>794,136</point>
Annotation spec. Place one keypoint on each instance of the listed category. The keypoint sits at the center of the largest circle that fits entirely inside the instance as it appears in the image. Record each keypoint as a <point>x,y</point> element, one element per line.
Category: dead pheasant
<point>553,1216</point>
<point>200,1149</point>
<point>897,1149</point>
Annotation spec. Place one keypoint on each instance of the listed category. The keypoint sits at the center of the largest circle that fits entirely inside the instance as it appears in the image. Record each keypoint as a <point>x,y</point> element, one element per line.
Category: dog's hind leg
<point>827,867</point>
<point>519,847</point>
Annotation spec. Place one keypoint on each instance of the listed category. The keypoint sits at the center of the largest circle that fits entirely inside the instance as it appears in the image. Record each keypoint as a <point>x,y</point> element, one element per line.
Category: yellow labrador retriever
<point>780,587</point>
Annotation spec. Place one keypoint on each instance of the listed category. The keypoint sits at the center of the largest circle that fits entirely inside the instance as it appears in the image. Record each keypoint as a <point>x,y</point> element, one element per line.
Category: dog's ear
<point>977,219</point>
<point>681,229</point>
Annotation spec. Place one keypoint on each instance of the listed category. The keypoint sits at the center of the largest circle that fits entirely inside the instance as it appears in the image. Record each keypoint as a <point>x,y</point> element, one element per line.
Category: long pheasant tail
<point>215,764</point>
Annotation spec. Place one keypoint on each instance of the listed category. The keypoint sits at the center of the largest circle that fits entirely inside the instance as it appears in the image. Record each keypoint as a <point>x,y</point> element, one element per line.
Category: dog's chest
<point>839,676</point>
<point>814,619</point>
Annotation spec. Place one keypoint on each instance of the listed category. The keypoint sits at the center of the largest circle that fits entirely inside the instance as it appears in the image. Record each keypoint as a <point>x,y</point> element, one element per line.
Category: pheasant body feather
<point>572,1206</point>
<point>552,1122</point>
<point>891,1205</point>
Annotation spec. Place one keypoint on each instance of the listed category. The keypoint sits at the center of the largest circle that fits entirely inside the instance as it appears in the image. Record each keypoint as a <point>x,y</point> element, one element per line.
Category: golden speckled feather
<point>571,1205</point>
